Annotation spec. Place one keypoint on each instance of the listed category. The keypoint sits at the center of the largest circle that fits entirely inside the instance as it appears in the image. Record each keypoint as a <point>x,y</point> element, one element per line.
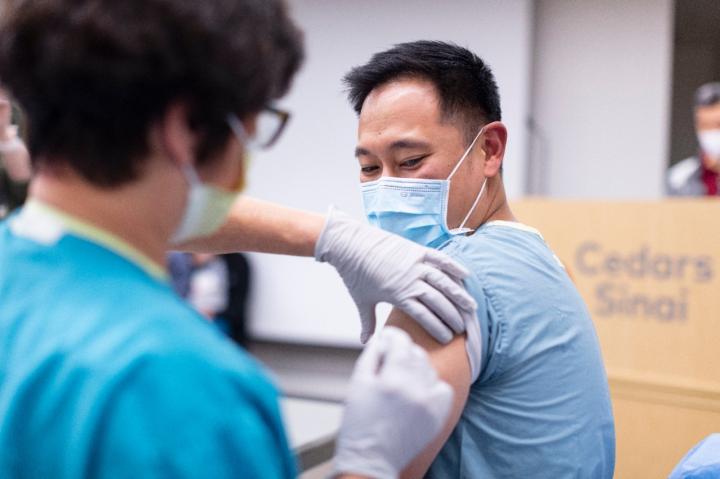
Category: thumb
<point>370,359</point>
<point>442,397</point>
<point>367,321</point>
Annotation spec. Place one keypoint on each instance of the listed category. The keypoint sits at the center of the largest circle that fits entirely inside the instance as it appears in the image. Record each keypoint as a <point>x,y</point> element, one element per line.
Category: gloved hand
<point>396,405</point>
<point>378,266</point>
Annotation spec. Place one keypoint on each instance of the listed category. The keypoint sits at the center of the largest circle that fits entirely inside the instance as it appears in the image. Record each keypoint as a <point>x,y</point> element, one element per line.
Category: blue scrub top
<point>540,407</point>
<point>701,462</point>
<point>105,372</point>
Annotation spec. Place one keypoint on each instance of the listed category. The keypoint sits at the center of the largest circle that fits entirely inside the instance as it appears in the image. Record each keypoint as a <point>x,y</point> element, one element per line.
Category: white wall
<point>313,166</point>
<point>601,97</point>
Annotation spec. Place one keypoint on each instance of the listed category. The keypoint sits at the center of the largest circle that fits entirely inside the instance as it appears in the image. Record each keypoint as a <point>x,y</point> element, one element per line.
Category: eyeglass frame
<point>239,129</point>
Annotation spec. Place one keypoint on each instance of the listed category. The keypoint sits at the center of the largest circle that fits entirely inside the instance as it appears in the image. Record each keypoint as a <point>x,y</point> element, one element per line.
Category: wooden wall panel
<point>650,275</point>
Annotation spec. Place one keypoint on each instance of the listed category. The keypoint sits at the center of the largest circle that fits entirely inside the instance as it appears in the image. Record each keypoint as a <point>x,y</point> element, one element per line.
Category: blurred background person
<point>201,278</point>
<point>217,286</point>
<point>15,168</point>
<point>698,175</point>
<point>239,283</point>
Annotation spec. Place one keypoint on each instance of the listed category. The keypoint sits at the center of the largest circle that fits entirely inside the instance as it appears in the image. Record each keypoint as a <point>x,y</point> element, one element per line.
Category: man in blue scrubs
<point>140,113</point>
<point>531,393</point>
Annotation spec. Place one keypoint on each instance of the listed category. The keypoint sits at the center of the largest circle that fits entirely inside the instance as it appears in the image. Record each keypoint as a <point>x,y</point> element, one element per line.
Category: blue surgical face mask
<point>415,208</point>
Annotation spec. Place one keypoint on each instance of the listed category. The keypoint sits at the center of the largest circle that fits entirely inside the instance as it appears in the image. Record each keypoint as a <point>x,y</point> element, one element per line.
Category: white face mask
<point>710,142</point>
<point>207,206</point>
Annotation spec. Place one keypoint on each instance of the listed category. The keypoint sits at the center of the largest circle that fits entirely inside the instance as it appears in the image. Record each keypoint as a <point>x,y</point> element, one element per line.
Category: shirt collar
<point>45,223</point>
<point>516,225</point>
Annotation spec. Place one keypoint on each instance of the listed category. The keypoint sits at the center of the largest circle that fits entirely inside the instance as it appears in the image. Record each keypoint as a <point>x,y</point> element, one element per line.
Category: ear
<point>174,136</point>
<point>493,144</point>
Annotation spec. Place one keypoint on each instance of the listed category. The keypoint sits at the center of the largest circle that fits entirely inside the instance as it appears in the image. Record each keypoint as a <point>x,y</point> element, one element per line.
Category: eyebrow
<point>396,145</point>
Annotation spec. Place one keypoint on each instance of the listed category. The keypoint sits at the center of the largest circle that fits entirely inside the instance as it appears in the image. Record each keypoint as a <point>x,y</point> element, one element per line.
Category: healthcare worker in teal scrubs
<point>141,114</point>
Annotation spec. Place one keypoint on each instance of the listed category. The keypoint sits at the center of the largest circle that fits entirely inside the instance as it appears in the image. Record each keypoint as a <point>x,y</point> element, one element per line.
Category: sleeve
<point>178,416</point>
<point>478,334</point>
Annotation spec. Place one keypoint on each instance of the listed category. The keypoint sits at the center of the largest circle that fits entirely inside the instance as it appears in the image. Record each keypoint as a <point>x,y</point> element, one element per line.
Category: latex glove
<point>396,405</point>
<point>378,266</point>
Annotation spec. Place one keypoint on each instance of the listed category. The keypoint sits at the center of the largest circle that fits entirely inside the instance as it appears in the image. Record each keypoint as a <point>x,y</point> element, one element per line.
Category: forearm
<point>255,225</point>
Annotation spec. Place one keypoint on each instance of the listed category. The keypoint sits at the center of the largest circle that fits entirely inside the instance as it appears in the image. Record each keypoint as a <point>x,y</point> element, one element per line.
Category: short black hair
<point>465,84</point>
<point>93,75</point>
<point>708,94</point>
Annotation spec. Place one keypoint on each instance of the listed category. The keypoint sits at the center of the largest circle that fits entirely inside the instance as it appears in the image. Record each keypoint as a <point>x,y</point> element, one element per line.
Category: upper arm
<point>452,365</point>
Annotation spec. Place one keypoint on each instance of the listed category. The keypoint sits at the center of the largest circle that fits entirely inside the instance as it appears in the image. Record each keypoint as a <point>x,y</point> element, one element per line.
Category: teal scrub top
<point>105,372</point>
<point>540,407</point>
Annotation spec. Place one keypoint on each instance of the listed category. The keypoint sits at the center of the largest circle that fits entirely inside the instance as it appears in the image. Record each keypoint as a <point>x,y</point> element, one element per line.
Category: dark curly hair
<point>466,87</point>
<point>93,75</point>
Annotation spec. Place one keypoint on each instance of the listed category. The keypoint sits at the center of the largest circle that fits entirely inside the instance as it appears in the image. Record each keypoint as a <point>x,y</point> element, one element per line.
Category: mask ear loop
<point>190,174</point>
<point>472,209</point>
<point>467,152</point>
<point>482,188</point>
<point>237,127</point>
<point>187,170</point>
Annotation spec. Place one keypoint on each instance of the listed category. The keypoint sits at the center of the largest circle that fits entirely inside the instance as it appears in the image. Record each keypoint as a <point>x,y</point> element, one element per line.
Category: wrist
<point>337,225</point>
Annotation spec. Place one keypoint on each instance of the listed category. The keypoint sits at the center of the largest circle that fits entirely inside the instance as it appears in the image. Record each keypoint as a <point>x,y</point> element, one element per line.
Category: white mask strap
<point>467,152</point>
<point>190,174</point>
<point>472,209</point>
<point>240,132</point>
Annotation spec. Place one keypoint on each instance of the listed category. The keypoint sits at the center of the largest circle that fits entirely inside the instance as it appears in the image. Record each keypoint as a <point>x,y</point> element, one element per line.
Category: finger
<point>419,355</point>
<point>368,322</point>
<point>428,320</point>
<point>369,361</point>
<point>441,306</point>
<point>410,370</point>
<point>421,363</point>
<point>393,335</point>
<point>374,354</point>
<point>445,263</point>
<point>399,355</point>
<point>442,398</point>
<point>453,290</point>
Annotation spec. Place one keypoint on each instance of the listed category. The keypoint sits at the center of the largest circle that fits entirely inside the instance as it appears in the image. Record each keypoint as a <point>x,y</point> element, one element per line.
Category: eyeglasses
<point>269,125</point>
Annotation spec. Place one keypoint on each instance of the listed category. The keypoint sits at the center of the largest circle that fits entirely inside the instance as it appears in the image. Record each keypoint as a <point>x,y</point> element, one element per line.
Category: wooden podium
<point>650,275</point>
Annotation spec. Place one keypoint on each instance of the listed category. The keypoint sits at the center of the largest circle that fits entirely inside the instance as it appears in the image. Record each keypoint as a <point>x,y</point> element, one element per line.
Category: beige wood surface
<point>650,275</point>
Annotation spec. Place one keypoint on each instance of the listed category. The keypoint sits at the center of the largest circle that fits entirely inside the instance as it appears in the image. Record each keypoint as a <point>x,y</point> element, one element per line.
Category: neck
<point>495,207</point>
<point>129,212</point>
